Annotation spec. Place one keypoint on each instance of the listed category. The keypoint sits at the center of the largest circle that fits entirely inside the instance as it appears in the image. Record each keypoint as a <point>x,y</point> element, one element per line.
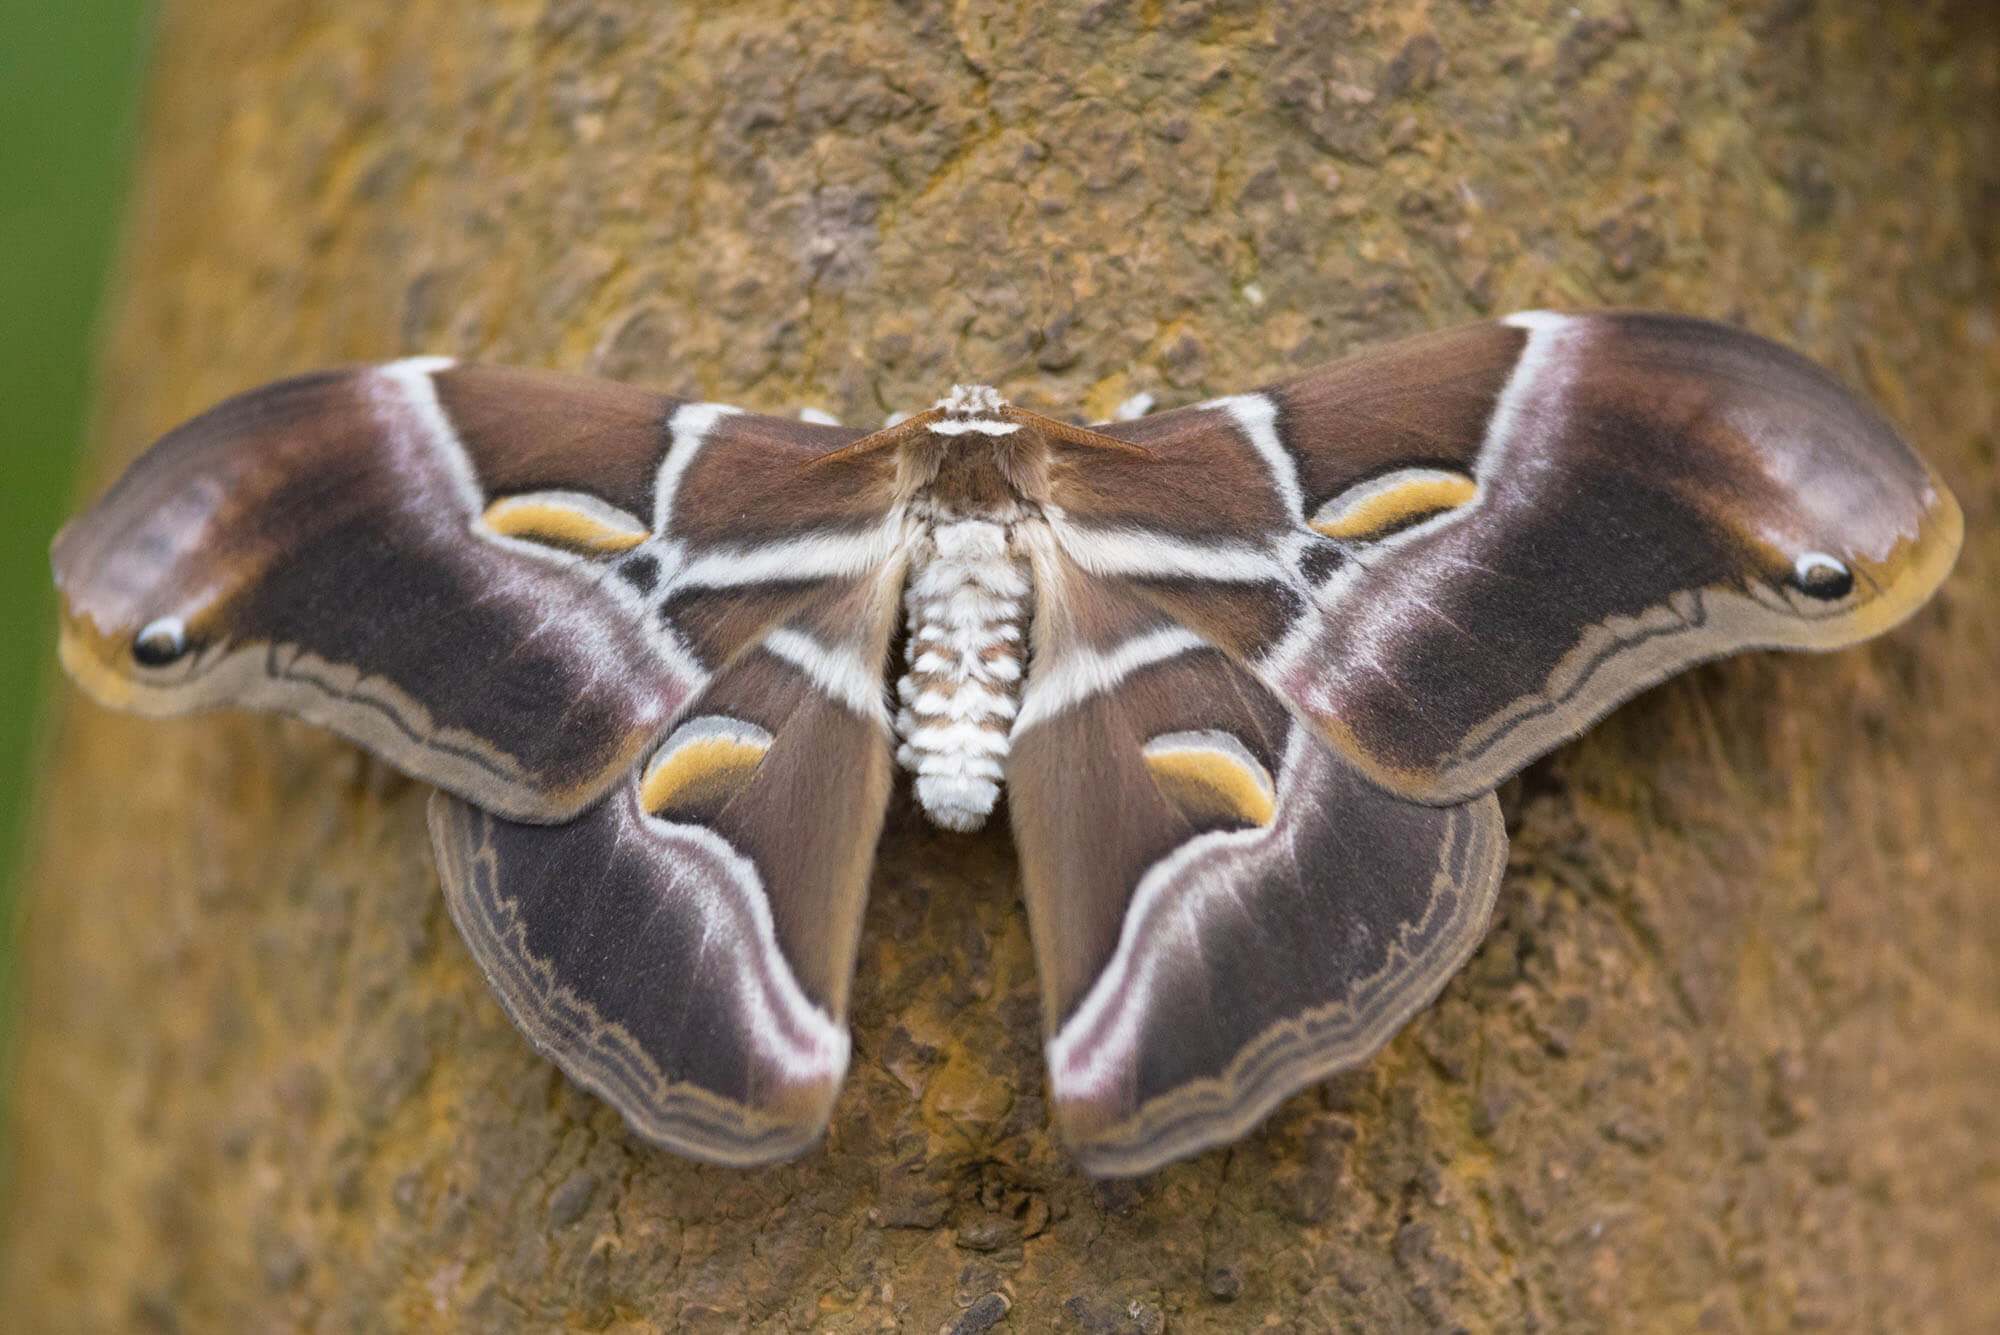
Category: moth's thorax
<point>972,461</point>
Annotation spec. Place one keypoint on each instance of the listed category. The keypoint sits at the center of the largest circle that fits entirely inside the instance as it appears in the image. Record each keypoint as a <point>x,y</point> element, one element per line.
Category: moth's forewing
<point>506,582</point>
<point>1493,535</point>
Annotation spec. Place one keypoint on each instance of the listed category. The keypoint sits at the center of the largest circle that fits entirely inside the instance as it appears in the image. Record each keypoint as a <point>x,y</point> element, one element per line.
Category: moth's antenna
<point>880,440</point>
<point>1073,435</point>
<point>1046,426</point>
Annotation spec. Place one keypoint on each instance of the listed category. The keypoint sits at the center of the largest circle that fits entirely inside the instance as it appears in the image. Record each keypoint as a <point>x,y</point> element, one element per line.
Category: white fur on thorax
<point>967,603</point>
<point>972,408</point>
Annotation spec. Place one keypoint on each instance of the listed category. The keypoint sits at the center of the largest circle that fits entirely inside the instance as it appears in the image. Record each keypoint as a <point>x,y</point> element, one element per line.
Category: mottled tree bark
<point>1728,1059</point>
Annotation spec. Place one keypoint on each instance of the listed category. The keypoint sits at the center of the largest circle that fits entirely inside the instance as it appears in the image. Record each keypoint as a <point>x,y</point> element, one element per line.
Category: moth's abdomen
<point>967,603</point>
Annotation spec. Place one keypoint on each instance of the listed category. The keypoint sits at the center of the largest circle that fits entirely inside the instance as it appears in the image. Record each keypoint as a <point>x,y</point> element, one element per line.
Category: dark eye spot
<point>1820,576</point>
<point>160,642</point>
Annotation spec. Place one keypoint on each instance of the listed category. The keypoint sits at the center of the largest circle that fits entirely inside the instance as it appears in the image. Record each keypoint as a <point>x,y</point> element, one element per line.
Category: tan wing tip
<point>119,654</point>
<point>1911,573</point>
<point>100,665</point>
<point>86,669</point>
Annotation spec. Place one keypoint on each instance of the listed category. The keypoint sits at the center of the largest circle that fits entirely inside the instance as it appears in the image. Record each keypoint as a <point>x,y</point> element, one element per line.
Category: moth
<point>1247,671</point>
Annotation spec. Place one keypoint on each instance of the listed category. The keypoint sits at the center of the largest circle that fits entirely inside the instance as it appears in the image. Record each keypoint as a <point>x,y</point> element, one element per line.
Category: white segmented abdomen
<point>967,603</point>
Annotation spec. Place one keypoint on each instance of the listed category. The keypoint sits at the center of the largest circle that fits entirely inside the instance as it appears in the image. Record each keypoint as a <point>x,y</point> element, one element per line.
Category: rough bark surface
<point>1728,1059</point>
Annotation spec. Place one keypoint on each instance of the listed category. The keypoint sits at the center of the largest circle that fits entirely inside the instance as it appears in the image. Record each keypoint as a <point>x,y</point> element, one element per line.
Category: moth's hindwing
<point>506,582</point>
<point>684,948</point>
<point>1452,554</point>
<point>1223,908</point>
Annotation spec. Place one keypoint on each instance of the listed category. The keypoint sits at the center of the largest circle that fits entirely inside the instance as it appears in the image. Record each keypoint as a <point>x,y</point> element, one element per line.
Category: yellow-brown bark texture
<point>1730,1057</point>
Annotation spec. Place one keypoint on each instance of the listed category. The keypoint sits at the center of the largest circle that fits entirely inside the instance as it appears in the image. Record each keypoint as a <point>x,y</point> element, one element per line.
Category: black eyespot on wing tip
<point>1832,587</point>
<point>160,643</point>
<point>1822,577</point>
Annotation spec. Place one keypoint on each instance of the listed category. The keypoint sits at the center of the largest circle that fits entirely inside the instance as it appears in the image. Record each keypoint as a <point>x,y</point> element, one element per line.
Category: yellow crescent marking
<point>1391,501</point>
<point>563,519</point>
<point>1212,772</point>
<point>703,770</point>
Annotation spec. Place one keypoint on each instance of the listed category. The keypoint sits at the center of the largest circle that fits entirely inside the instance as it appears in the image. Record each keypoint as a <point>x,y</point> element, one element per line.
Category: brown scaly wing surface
<point>1453,553</point>
<point>508,583</point>
<point>684,948</point>
<point>1223,908</point>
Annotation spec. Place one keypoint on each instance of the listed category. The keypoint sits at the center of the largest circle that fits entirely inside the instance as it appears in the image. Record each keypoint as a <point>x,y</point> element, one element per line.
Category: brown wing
<point>1223,909</point>
<point>1453,553</point>
<point>684,948</point>
<point>505,582</point>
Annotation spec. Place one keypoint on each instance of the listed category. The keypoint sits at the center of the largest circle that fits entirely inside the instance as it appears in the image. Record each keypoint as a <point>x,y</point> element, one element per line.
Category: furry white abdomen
<point>967,603</point>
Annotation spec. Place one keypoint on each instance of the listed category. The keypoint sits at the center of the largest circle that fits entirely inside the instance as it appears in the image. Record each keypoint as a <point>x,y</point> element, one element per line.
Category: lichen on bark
<point>1726,1060</point>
